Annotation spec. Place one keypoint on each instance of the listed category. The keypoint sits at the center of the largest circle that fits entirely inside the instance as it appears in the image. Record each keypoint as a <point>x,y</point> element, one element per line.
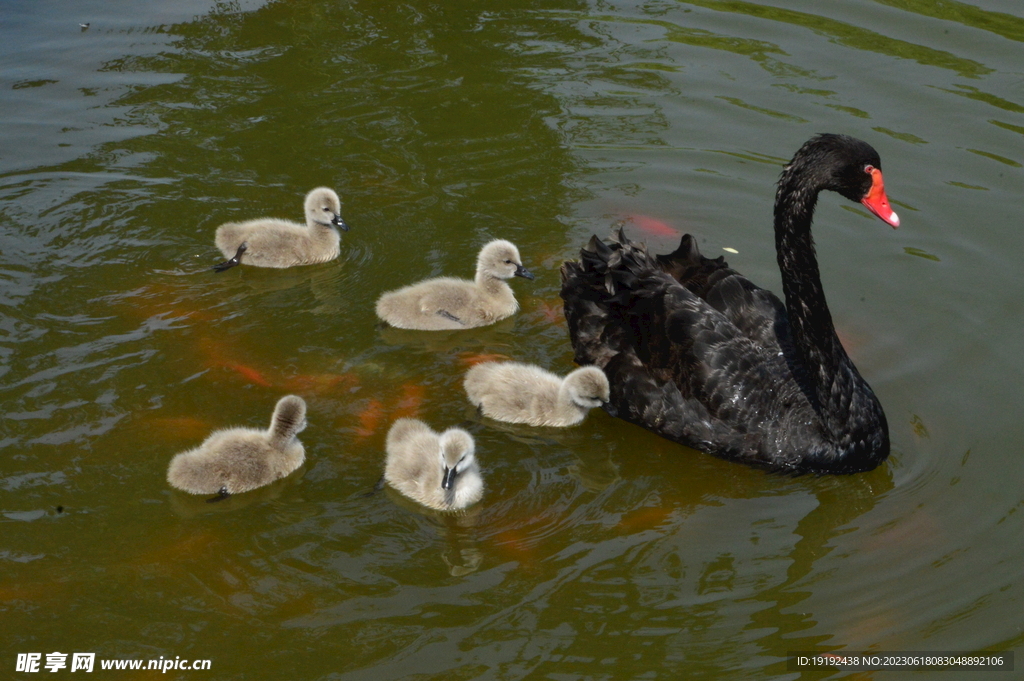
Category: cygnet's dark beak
<point>449,478</point>
<point>523,272</point>
<point>610,409</point>
<point>338,222</point>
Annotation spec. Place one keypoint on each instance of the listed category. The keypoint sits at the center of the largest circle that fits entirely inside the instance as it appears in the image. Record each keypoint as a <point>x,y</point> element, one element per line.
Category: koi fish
<point>369,419</point>
<point>408,405</point>
<point>183,427</point>
<point>472,359</point>
<point>553,313</point>
<point>319,383</point>
<point>250,374</point>
<point>646,518</point>
<point>653,226</point>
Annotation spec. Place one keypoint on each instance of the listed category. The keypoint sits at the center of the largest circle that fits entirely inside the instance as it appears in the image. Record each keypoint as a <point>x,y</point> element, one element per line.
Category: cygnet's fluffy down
<point>524,393</point>
<point>450,303</point>
<point>236,460</point>
<point>270,242</point>
<point>438,470</point>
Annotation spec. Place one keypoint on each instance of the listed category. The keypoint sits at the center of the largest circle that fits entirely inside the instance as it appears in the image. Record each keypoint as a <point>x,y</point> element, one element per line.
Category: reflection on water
<point>597,550</point>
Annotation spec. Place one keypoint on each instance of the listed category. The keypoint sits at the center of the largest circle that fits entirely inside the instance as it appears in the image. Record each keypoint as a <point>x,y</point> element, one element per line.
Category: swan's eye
<point>868,168</point>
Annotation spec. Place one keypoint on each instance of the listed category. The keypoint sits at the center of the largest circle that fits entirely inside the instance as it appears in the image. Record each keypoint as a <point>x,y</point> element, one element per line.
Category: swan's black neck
<point>826,363</point>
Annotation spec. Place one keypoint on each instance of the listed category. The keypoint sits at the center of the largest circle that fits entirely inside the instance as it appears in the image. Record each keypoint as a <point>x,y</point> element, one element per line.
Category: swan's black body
<point>698,354</point>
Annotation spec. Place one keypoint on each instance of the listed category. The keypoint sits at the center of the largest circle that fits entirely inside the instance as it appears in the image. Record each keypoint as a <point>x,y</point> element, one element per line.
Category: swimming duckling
<point>271,242</point>
<point>450,303</point>
<point>524,393</point>
<point>235,460</point>
<point>436,470</point>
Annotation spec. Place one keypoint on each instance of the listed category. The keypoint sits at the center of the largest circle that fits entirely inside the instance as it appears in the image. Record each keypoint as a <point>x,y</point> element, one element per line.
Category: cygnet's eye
<point>509,262</point>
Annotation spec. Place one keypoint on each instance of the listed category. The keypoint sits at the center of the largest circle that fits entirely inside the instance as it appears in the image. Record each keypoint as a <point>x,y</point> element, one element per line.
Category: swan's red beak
<point>876,201</point>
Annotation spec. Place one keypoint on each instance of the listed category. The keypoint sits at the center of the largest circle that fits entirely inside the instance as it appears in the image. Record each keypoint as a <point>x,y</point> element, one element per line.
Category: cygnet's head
<point>456,456</point>
<point>324,207</point>
<point>588,387</point>
<point>501,259</point>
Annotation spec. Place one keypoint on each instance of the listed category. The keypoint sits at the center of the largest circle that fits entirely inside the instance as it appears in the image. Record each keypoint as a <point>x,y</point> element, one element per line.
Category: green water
<point>598,552</point>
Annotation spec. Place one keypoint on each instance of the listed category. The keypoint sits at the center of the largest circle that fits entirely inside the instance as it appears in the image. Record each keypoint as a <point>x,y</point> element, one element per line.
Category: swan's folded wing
<point>757,314</point>
<point>691,269</point>
<point>449,316</point>
<point>445,296</point>
<point>745,387</point>
<point>637,396</point>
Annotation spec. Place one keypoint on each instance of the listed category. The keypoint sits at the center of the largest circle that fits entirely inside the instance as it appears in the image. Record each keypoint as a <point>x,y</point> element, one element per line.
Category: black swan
<point>698,354</point>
